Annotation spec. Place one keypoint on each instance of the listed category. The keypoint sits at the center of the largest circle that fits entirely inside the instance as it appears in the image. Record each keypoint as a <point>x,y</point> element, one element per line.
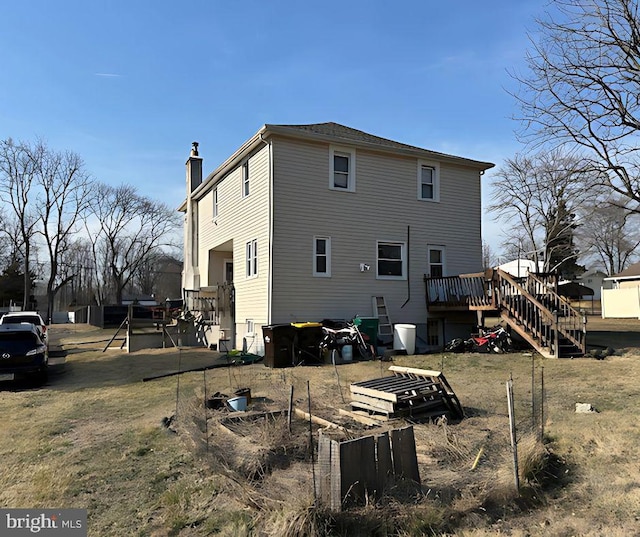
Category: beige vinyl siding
<point>239,221</point>
<point>384,205</point>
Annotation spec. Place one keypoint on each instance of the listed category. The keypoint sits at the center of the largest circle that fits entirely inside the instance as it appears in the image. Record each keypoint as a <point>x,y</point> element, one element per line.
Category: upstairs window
<point>322,256</point>
<point>215,204</point>
<point>252,258</point>
<point>391,263</point>
<point>428,181</point>
<point>436,261</point>
<point>245,179</point>
<point>342,169</point>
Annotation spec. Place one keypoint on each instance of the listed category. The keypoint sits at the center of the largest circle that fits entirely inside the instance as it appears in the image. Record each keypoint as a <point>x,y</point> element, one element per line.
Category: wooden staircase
<point>541,316</point>
<point>531,307</point>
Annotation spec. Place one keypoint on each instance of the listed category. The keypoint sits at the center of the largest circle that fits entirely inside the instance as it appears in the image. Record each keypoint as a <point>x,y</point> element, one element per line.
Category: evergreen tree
<point>12,284</point>
<point>561,252</point>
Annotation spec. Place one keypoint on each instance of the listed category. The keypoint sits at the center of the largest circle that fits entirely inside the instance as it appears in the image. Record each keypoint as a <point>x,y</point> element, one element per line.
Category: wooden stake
<point>290,406</point>
<point>512,427</point>
<point>335,367</point>
<point>477,460</point>
<point>542,397</point>
<point>178,383</point>
<point>313,465</point>
<point>533,391</point>
<point>206,424</point>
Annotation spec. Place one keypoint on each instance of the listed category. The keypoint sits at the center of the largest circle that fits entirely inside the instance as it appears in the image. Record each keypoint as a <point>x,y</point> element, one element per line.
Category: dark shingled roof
<point>335,130</point>
<point>630,271</point>
<point>574,290</point>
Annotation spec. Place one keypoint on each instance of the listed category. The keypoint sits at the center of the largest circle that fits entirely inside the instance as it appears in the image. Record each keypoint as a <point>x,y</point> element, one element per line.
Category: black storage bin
<point>307,343</point>
<point>279,341</point>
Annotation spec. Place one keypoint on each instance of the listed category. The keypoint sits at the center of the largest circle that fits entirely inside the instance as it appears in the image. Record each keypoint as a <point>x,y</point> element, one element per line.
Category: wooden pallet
<point>409,392</point>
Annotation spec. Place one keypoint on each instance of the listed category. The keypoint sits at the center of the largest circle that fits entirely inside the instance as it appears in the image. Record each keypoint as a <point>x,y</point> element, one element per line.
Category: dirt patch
<point>94,438</point>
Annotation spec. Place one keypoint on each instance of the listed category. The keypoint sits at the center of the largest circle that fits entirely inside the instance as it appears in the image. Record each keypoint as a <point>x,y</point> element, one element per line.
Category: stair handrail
<point>570,321</point>
<point>531,313</point>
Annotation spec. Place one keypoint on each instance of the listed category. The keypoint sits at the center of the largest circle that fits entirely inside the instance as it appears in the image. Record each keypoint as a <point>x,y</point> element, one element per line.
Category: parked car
<point>32,317</point>
<point>22,352</point>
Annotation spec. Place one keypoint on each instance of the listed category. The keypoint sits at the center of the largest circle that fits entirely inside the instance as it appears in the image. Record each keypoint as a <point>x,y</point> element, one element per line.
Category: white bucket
<point>347,353</point>
<point>404,338</point>
<point>238,403</point>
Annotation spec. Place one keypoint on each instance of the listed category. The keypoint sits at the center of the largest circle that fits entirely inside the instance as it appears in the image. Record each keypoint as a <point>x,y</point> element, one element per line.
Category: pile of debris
<point>410,392</point>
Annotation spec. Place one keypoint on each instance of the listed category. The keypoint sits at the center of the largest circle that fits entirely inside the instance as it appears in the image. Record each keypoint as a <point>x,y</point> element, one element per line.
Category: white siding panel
<point>384,207</point>
<point>239,221</point>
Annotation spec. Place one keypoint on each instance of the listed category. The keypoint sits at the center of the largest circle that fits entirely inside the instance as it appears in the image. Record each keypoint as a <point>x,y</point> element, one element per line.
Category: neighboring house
<point>520,268</point>
<point>594,279</point>
<point>311,222</point>
<point>622,299</point>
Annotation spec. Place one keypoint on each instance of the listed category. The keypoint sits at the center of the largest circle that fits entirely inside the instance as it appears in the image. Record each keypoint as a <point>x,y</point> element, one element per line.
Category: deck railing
<point>467,291</point>
<point>531,305</point>
<point>211,302</point>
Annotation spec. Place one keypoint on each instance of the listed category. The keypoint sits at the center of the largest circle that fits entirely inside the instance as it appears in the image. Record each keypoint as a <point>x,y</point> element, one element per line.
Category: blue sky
<point>129,85</point>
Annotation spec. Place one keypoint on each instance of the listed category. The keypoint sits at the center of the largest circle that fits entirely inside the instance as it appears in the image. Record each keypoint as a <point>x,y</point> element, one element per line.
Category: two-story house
<point>312,222</point>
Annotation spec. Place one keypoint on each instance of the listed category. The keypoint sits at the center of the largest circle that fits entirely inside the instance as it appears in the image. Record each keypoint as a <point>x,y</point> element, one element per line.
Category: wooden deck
<point>531,306</point>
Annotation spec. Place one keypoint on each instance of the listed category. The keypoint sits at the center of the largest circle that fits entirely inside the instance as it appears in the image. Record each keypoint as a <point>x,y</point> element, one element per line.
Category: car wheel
<point>41,377</point>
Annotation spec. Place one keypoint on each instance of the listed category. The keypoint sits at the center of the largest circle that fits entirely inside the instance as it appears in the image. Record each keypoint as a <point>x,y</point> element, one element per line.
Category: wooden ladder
<point>385,329</point>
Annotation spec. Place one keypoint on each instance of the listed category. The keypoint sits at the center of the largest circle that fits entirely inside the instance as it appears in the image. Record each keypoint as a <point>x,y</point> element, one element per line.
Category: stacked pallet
<point>409,392</point>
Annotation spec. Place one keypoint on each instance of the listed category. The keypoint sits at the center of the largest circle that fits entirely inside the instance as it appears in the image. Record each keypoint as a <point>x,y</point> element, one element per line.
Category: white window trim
<point>403,250</point>
<point>251,262</point>
<point>216,207</point>
<point>326,274</point>
<point>443,256</point>
<point>436,180</point>
<point>351,178</point>
<point>246,181</point>
<point>250,327</point>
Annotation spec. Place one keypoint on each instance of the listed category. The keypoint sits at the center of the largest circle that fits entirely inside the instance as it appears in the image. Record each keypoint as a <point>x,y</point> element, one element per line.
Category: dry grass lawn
<point>93,438</point>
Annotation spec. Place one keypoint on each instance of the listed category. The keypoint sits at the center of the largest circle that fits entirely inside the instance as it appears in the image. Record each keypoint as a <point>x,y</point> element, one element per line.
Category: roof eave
<point>268,129</point>
<point>618,278</point>
<point>226,166</point>
<point>417,152</point>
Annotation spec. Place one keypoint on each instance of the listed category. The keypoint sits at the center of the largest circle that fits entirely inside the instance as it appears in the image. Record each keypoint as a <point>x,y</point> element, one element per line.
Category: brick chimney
<point>194,169</point>
<point>191,271</point>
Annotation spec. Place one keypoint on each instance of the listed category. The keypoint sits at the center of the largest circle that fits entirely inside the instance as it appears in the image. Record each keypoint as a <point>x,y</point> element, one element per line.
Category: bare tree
<point>610,235</point>
<point>535,193</point>
<point>76,268</point>
<point>489,257</point>
<point>518,246</point>
<point>66,191</point>
<point>582,89</point>
<point>129,229</point>
<point>18,171</point>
